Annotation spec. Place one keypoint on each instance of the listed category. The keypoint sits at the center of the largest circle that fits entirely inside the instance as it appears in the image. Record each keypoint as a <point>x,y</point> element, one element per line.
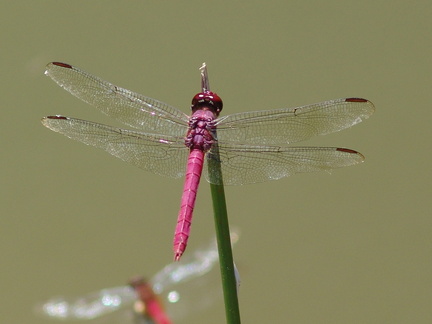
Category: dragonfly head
<point>208,99</point>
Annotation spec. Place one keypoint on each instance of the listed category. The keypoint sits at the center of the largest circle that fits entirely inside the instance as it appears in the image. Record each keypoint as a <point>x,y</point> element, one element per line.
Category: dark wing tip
<point>65,65</point>
<point>341,149</point>
<point>349,151</point>
<point>55,117</point>
<point>366,105</point>
<point>356,100</point>
<point>46,120</point>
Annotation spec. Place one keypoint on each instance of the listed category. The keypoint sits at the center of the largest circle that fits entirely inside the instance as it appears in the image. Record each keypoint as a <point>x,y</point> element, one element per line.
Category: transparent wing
<point>161,154</point>
<point>179,293</point>
<point>242,164</point>
<point>89,306</point>
<point>191,285</point>
<point>289,125</point>
<point>130,108</point>
<point>191,266</point>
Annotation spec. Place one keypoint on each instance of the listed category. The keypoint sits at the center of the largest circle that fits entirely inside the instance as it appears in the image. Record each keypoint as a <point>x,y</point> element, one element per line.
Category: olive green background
<point>351,247</point>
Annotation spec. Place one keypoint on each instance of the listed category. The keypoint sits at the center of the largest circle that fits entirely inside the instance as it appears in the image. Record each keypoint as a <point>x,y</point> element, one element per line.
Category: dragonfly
<point>174,292</point>
<point>250,147</point>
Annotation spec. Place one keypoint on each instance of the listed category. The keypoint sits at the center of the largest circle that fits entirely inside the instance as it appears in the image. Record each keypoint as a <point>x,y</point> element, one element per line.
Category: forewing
<point>190,285</point>
<point>242,164</point>
<point>130,108</point>
<point>191,266</point>
<point>89,306</point>
<point>289,125</point>
<point>161,154</point>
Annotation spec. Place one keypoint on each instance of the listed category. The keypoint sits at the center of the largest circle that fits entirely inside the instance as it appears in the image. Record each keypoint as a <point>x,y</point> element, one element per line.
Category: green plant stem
<point>229,283</point>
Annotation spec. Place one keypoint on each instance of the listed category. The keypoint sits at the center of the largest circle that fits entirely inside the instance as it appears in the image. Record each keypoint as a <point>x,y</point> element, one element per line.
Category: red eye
<point>208,97</point>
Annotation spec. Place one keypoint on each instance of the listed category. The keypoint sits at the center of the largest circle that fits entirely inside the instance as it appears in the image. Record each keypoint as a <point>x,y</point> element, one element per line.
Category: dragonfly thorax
<point>200,135</point>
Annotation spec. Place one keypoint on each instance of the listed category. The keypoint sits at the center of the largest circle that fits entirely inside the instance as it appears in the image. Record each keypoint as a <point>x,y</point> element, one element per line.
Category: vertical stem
<point>229,282</point>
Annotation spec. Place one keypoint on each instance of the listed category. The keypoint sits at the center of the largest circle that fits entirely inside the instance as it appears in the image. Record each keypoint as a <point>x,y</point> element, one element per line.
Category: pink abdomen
<point>184,220</point>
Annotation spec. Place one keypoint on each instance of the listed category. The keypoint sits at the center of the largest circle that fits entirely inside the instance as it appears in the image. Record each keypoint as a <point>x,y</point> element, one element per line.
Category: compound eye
<point>217,101</point>
<point>199,97</point>
<point>208,97</point>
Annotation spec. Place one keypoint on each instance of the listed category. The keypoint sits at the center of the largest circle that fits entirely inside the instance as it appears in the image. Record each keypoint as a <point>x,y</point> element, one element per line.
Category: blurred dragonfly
<point>181,288</point>
<point>252,145</point>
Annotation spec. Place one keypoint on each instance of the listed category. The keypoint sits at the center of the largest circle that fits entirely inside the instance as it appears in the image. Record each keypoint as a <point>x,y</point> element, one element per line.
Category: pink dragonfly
<point>176,291</point>
<point>252,145</point>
